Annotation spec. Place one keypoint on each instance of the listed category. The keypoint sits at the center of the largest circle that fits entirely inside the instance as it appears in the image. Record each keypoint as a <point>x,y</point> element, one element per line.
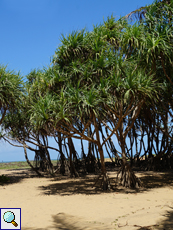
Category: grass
<point>19,165</point>
<point>24,164</point>
<point>15,165</point>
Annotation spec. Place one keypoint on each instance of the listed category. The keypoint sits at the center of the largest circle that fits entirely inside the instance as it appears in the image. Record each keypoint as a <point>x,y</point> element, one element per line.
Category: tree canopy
<point>11,89</point>
<point>115,80</point>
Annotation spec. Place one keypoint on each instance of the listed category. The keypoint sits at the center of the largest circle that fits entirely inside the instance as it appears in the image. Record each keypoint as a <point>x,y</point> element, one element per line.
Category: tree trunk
<point>105,179</point>
<point>72,168</point>
<point>62,157</point>
<point>126,176</point>
<point>26,157</point>
<point>49,162</point>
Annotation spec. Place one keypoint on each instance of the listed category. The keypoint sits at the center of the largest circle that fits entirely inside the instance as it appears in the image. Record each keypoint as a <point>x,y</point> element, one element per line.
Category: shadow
<point>62,221</point>
<point>17,175</point>
<point>72,186</point>
<point>64,185</point>
<point>86,185</point>
<point>166,224</point>
<point>148,228</point>
<point>152,179</point>
<point>18,169</point>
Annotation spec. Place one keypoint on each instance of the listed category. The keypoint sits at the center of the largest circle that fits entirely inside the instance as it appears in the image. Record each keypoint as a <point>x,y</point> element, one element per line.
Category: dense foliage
<point>115,81</point>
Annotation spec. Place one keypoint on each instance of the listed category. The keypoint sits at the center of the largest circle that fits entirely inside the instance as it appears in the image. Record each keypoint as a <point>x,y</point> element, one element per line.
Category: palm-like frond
<point>138,14</point>
<point>11,88</point>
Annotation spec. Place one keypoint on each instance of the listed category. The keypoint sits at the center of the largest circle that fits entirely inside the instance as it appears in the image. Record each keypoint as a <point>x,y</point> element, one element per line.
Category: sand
<point>72,204</point>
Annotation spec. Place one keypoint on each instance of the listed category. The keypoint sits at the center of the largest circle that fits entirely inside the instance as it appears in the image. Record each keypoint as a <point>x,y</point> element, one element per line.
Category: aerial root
<point>127,178</point>
<point>105,182</point>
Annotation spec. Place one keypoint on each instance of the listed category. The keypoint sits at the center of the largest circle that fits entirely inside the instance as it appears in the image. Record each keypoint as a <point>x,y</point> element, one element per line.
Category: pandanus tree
<point>156,58</point>
<point>95,79</point>
<point>19,131</point>
<point>160,16</point>
<point>64,116</point>
<point>136,89</point>
<point>76,93</point>
<point>132,87</point>
<point>103,79</point>
<point>10,91</point>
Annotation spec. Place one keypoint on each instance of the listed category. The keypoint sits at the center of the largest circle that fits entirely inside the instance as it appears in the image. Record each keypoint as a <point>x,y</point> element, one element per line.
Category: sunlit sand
<point>68,204</point>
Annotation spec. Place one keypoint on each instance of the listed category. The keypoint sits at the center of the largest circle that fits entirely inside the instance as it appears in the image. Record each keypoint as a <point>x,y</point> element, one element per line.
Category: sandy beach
<point>68,203</point>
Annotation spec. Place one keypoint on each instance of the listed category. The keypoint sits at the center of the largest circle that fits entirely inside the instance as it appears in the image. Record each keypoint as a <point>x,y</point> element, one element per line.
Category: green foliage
<point>10,88</point>
<point>93,71</point>
<point>111,69</point>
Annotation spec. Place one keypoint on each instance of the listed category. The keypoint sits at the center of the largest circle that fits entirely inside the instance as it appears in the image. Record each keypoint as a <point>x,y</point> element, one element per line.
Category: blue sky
<point>31,30</point>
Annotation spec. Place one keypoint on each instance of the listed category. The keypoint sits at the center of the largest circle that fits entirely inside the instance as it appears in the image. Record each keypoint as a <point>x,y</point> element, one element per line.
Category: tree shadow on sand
<point>152,179</point>
<point>86,185</point>
<point>64,185</point>
<point>71,187</point>
<point>62,221</point>
<point>17,175</point>
<point>166,224</point>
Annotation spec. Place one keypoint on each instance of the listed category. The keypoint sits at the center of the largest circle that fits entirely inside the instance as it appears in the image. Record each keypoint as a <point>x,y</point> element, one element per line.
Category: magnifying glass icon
<point>9,217</point>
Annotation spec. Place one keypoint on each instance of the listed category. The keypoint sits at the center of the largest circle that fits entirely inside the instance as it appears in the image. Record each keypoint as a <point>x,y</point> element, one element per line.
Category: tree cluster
<point>114,82</point>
